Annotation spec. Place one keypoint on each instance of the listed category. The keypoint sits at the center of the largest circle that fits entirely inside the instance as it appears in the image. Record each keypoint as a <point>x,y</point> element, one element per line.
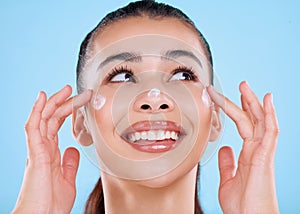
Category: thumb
<point>227,165</point>
<point>70,164</point>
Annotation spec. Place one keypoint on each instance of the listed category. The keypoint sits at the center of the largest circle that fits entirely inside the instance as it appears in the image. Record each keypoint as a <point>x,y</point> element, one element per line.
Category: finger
<point>56,121</point>
<point>52,104</point>
<point>82,99</point>
<point>249,147</point>
<point>56,100</point>
<point>32,126</point>
<point>255,109</point>
<point>241,119</point>
<point>271,124</point>
<point>227,166</point>
<point>70,164</point>
<point>246,108</point>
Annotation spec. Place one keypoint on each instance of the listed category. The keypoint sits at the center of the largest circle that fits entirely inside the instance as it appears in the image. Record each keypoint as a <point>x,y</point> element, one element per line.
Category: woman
<point>49,183</point>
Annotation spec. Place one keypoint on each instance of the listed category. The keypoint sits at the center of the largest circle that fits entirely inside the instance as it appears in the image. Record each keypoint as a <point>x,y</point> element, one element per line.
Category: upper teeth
<point>153,135</point>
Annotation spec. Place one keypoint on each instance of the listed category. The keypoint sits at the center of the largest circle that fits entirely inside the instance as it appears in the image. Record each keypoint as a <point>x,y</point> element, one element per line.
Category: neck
<point>123,196</point>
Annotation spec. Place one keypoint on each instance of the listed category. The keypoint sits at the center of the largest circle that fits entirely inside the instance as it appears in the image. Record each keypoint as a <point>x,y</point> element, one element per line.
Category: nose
<point>153,101</point>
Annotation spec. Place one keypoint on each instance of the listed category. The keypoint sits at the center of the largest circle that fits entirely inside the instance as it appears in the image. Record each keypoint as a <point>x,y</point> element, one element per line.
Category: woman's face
<point>156,108</point>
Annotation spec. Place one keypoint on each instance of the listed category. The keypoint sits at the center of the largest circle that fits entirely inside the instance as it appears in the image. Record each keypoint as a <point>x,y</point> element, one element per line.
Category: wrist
<point>30,207</point>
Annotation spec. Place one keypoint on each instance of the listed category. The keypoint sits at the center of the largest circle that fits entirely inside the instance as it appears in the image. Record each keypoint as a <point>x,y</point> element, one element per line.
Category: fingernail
<point>271,98</point>
<point>211,87</point>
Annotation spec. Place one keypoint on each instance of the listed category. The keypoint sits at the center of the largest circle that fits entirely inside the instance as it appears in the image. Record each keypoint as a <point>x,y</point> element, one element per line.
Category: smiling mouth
<point>154,136</point>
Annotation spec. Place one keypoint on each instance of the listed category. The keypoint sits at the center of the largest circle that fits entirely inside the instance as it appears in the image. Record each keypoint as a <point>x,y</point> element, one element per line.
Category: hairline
<point>102,26</point>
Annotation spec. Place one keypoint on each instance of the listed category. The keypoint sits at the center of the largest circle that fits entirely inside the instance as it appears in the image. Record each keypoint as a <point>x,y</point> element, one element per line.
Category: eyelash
<point>118,70</point>
<point>188,70</point>
<point>124,69</point>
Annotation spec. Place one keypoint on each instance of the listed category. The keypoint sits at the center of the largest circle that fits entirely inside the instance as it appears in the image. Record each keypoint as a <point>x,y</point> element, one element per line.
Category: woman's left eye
<point>183,74</point>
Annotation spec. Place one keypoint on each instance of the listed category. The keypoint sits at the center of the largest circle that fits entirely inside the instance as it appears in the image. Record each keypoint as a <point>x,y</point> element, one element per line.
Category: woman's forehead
<point>144,47</point>
<point>139,26</point>
<point>166,56</point>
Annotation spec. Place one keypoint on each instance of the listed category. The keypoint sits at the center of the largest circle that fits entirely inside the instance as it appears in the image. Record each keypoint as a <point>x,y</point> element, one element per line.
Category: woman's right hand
<point>49,182</point>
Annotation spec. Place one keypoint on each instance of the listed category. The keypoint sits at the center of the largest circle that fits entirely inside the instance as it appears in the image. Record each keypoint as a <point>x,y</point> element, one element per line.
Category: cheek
<point>103,115</point>
<point>202,123</point>
<point>104,119</point>
<point>198,109</point>
<point>106,127</point>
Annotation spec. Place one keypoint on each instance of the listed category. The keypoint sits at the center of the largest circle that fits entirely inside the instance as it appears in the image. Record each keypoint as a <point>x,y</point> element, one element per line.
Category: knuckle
<point>55,122</point>
<point>259,120</point>
<point>242,118</point>
<point>257,140</point>
<point>44,119</point>
<point>273,130</point>
<point>52,136</point>
<point>53,103</point>
<point>277,131</point>
<point>27,126</point>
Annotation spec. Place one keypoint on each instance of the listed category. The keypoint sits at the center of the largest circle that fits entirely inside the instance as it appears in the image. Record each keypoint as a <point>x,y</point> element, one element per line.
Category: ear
<point>216,126</point>
<point>79,128</point>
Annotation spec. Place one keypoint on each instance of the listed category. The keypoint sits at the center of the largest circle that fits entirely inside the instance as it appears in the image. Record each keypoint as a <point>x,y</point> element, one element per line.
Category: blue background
<point>255,41</point>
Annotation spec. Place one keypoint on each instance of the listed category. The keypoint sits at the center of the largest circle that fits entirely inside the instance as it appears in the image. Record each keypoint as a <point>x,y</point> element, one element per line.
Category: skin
<point>248,187</point>
<point>177,186</point>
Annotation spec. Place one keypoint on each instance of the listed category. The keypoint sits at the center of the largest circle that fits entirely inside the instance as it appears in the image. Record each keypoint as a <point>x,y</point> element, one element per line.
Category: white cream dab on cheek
<point>205,98</point>
<point>98,101</point>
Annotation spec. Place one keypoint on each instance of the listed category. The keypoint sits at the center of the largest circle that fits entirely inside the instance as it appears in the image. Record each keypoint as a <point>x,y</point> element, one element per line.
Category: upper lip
<point>153,126</point>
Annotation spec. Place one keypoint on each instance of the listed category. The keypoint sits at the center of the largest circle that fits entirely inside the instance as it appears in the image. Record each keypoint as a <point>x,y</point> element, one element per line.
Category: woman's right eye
<point>121,75</point>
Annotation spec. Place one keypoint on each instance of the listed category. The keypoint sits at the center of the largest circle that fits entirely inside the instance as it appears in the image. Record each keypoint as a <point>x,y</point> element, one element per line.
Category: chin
<point>171,178</point>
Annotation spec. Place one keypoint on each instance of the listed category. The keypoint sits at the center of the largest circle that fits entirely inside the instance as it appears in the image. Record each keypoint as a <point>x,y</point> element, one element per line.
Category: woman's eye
<point>183,75</point>
<point>121,75</point>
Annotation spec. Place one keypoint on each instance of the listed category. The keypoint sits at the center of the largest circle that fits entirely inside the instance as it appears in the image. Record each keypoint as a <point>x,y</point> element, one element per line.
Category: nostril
<point>164,106</point>
<point>145,107</point>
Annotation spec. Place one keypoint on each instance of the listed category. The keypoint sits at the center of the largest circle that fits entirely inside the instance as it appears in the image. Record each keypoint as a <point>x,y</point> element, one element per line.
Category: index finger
<point>82,99</point>
<point>65,110</point>
<point>240,118</point>
<point>71,104</point>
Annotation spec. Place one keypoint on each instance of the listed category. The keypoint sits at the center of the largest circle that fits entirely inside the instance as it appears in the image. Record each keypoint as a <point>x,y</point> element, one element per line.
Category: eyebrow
<point>136,57</point>
<point>124,56</point>
<point>174,54</point>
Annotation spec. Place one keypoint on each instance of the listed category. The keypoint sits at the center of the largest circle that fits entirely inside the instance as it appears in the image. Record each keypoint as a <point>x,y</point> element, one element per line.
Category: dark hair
<point>144,8</point>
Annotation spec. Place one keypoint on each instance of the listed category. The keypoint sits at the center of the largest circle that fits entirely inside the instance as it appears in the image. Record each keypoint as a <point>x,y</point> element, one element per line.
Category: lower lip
<point>155,146</point>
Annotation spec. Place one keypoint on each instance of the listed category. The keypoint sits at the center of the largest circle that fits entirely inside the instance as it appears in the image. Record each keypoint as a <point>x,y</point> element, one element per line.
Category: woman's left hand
<point>250,186</point>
